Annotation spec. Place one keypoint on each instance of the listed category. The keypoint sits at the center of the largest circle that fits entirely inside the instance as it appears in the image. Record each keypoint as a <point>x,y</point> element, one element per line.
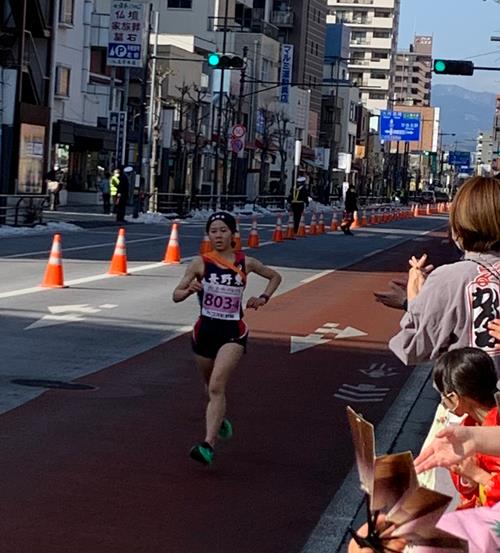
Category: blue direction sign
<point>459,159</point>
<point>400,125</point>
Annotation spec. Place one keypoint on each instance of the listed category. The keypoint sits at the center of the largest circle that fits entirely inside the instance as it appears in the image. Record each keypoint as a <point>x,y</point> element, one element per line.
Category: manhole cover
<point>56,384</point>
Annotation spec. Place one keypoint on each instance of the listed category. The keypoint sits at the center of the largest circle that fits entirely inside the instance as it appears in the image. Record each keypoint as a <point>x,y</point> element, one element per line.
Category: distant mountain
<point>464,112</point>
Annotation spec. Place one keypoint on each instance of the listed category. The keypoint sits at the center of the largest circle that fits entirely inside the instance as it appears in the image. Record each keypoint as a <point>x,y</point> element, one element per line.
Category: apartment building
<point>373,45</point>
<point>25,62</point>
<point>412,85</point>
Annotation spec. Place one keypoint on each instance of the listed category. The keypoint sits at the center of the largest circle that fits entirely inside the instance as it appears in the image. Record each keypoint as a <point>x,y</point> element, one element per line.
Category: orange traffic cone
<point>355,223</point>
<point>428,209</point>
<point>173,251</point>
<point>334,225</point>
<point>278,231</point>
<point>373,218</point>
<point>321,224</point>
<point>237,236</point>
<point>302,227</point>
<point>290,235</point>
<point>118,265</point>
<point>205,246</point>
<point>313,228</point>
<point>364,220</point>
<point>54,277</point>
<point>253,238</point>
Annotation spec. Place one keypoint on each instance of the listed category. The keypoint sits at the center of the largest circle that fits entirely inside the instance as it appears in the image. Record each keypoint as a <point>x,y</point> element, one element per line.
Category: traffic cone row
<point>54,275</point>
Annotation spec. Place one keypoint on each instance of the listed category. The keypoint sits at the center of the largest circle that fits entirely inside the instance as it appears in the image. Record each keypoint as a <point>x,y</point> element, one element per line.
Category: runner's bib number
<point>222,302</point>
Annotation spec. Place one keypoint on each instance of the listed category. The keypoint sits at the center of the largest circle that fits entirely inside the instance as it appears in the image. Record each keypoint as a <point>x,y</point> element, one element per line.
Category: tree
<point>281,134</point>
<point>267,119</point>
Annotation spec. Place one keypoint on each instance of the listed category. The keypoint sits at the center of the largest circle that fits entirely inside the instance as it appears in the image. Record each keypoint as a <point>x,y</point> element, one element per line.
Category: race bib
<point>222,302</point>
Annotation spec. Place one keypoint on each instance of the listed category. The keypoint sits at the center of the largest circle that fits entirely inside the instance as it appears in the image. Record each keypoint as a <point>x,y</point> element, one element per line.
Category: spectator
<point>299,200</point>
<point>350,206</point>
<point>466,380</point>
<point>53,187</point>
<point>121,196</point>
<point>105,187</point>
<point>113,187</point>
<point>451,307</point>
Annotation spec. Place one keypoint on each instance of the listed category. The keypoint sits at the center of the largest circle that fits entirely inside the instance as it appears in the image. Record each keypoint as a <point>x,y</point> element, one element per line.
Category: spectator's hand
<point>255,303</point>
<point>417,275</point>
<point>450,447</point>
<point>494,330</point>
<point>396,296</point>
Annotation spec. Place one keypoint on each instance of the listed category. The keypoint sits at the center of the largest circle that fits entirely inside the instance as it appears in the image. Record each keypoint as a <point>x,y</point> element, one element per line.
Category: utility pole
<point>235,165</point>
<point>152,137</point>
<point>216,187</point>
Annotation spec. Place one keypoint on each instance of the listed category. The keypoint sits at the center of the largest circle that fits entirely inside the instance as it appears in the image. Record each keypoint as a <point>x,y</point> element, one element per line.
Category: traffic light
<point>224,61</point>
<point>453,67</point>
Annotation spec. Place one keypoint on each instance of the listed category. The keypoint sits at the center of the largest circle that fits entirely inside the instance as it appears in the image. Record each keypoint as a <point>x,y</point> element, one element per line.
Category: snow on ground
<point>151,218</point>
<point>49,228</point>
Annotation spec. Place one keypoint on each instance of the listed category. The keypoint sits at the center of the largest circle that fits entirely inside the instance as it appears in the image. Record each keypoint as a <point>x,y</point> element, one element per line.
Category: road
<point>106,469</point>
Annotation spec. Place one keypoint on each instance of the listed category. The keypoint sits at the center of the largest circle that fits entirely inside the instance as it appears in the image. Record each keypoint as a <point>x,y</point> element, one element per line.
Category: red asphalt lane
<point>108,471</point>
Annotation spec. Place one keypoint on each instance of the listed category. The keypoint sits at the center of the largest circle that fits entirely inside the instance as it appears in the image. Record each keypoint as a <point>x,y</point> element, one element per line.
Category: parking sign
<point>128,26</point>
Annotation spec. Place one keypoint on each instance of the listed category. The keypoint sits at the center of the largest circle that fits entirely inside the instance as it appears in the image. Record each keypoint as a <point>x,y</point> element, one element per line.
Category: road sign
<point>460,159</point>
<point>118,126</point>
<point>238,131</point>
<point>286,72</point>
<point>237,145</point>
<point>128,25</point>
<point>400,125</point>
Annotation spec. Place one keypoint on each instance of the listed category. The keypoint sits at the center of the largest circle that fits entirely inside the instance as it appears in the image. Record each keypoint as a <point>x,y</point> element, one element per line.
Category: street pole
<point>142,113</point>
<point>151,115</point>
<point>237,121</point>
<point>216,186</point>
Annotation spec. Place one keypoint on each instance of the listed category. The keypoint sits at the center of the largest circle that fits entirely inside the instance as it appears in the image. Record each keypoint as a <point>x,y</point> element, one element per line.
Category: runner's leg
<point>205,365</point>
<point>226,360</point>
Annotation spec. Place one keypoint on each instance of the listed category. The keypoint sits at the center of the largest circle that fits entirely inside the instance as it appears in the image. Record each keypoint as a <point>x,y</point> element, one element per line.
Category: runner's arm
<point>190,282</point>
<point>274,278</point>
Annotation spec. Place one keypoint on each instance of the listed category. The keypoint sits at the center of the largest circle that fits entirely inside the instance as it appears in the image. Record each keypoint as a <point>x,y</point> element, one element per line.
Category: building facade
<point>412,85</point>
<point>373,45</point>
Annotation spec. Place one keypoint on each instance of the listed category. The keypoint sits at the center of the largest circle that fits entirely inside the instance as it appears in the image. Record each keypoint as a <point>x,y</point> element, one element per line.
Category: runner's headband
<point>226,218</point>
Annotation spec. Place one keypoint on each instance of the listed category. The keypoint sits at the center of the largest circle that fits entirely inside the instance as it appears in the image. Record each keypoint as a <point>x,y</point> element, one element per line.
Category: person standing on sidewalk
<point>121,197</point>
<point>299,200</point>
<point>113,188</point>
<point>350,207</point>
<point>220,334</point>
<point>105,186</point>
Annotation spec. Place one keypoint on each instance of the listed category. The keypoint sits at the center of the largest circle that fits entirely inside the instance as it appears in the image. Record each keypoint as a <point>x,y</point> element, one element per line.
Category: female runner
<point>220,334</point>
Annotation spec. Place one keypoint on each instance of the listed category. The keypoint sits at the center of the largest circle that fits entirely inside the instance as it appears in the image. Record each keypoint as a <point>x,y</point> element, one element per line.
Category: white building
<point>373,46</point>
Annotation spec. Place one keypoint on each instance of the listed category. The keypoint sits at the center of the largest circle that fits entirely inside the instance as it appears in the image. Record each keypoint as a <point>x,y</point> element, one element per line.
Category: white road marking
<point>316,276</point>
<point>301,343</point>
<point>79,248</point>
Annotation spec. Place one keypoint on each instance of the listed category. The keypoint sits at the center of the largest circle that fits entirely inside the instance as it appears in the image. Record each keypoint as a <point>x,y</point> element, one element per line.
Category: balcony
<point>282,18</point>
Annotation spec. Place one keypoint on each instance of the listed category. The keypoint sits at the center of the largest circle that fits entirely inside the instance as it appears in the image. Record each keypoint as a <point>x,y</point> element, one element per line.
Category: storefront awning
<point>83,137</point>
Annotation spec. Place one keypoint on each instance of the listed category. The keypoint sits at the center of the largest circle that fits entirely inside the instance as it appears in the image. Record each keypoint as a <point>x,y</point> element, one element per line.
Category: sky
<point>461,29</point>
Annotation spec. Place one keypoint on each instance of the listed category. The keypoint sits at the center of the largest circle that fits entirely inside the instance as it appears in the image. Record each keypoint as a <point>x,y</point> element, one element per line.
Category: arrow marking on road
<point>323,335</point>
<point>60,314</point>
<point>301,343</point>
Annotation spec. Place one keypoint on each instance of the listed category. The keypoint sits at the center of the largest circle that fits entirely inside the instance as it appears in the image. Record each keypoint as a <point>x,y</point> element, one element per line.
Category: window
<point>66,12</point>
<point>184,4</point>
<point>62,80</point>
<point>98,60</point>
<point>377,96</point>
<point>381,34</point>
